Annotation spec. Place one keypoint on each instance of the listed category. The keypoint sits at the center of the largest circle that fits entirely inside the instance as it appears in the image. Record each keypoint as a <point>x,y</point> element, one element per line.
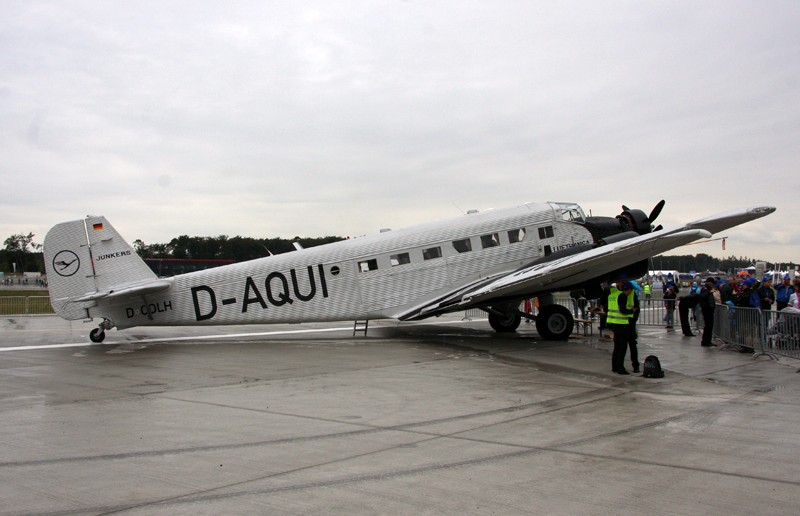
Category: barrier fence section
<point>765,332</point>
<point>652,312</point>
<point>25,305</point>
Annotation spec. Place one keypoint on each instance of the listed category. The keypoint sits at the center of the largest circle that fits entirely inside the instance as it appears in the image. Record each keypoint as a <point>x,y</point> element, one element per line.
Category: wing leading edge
<point>575,269</point>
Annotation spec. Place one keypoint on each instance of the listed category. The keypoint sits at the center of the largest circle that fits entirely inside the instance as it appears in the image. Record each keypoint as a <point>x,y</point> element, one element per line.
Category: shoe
<point>636,370</point>
<point>623,371</point>
<point>707,345</point>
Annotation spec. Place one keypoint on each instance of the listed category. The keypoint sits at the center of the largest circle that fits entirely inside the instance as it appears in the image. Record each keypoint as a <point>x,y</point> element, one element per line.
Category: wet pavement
<point>440,417</point>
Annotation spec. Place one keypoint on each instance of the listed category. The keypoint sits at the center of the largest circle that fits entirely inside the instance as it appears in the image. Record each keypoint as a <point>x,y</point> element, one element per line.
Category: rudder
<point>87,257</point>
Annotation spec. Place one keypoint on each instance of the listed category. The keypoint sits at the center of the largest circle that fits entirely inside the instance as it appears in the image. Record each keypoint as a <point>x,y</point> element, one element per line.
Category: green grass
<point>10,292</point>
<point>24,302</point>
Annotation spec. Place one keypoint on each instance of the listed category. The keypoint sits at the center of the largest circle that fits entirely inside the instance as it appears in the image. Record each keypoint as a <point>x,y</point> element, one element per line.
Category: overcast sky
<point>317,118</point>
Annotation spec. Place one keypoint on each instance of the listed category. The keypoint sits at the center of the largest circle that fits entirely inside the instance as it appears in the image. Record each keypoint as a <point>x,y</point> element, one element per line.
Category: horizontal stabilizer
<point>137,290</point>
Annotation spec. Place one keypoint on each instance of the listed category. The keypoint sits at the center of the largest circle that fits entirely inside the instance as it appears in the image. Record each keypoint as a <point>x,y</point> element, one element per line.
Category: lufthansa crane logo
<point>66,263</point>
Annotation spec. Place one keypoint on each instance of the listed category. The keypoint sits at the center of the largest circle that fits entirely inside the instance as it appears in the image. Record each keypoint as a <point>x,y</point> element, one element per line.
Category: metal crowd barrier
<point>765,332</point>
<point>652,312</point>
<point>25,305</point>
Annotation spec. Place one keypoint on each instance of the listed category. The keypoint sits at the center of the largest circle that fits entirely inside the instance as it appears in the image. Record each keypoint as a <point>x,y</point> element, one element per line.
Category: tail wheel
<point>504,323</point>
<point>554,322</point>
<point>97,335</point>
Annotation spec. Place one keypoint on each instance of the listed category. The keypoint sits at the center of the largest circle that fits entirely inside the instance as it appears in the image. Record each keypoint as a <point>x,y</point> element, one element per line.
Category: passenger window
<point>399,259</point>
<point>368,265</point>
<point>431,253</point>
<point>462,246</point>
<point>488,241</point>
<point>546,232</point>
<point>516,235</point>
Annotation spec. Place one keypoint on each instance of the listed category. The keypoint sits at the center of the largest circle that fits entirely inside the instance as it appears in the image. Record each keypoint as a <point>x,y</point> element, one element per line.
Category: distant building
<point>167,267</point>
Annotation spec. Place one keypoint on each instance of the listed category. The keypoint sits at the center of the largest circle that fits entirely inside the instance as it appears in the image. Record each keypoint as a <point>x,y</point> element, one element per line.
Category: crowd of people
<point>11,281</point>
<point>619,306</point>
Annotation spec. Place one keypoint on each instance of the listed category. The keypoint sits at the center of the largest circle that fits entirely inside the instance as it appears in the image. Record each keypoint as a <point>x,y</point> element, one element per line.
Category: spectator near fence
<point>766,294</point>
<point>707,307</point>
<point>727,291</point>
<point>747,296</point>
<point>669,305</point>
<point>794,299</point>
<point>783,292</point>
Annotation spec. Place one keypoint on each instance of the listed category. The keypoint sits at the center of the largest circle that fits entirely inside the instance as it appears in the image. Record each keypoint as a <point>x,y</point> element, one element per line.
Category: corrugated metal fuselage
<point>372,277</point>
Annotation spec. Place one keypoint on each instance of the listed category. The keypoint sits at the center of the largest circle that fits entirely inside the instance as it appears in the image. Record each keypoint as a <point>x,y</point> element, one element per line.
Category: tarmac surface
<point>443,417</point>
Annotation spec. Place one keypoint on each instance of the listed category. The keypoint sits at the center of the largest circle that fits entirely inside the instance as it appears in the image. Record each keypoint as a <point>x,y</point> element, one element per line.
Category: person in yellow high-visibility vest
<point>620,310</point>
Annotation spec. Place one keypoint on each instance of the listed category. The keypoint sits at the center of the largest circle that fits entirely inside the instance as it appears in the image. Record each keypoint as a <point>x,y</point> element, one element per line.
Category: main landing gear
<point>98,334</point>
<point>553,322</point>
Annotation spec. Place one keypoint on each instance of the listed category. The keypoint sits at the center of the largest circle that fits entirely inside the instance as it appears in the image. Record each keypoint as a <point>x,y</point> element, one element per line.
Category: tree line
<point>26,254</point>
<point>22,250</point>
<point>223,247</point>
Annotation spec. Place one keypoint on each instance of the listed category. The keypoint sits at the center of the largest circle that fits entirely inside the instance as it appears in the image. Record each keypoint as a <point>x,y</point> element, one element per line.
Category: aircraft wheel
<point>554,322</point>
<point>507,323</point>
<point>97,335</point>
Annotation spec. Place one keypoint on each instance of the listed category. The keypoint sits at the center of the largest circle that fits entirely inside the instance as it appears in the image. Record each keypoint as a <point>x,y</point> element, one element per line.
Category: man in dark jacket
<point>707,307</point>
<point>766,294</point>
<point>633,336</point>
<point>747,296</point>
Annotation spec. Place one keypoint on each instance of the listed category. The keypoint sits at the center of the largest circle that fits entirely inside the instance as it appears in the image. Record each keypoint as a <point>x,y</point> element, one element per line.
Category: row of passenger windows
<point>461,246</point>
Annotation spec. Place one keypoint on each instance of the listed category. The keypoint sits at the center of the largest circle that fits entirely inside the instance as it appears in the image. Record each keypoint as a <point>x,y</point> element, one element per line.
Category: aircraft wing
<point>574,269</point>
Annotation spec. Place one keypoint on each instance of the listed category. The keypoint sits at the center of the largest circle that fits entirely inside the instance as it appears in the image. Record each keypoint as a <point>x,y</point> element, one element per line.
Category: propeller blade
<point>625,208</point>
<point>656,210</point>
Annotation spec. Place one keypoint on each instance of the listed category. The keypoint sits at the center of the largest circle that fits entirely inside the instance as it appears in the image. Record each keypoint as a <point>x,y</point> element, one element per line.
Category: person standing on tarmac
<point>707,306</point>
<point>620,308</point>
<point>783,292</point>
<point>633,336</point>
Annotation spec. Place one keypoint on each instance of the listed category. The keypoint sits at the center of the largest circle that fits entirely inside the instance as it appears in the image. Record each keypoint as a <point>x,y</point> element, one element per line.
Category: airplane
<point>490,260</point>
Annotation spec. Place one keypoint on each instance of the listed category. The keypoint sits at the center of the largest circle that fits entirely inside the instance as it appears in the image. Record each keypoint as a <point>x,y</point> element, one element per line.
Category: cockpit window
<point>571,213</point>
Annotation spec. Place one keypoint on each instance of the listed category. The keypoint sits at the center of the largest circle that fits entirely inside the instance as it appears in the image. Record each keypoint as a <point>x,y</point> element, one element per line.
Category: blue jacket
<point>784,292</point>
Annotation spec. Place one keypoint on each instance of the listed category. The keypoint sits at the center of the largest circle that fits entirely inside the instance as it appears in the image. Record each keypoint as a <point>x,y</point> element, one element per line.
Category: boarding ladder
<point>360,326</point>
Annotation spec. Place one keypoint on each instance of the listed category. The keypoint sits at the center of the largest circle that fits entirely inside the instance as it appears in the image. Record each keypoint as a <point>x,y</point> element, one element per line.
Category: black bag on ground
<point>652,367</point>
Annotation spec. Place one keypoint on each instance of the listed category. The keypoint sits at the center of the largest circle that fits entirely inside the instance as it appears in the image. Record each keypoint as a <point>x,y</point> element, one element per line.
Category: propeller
<point>656,210</point>
<point>630,220</point>
<point>635,219</point>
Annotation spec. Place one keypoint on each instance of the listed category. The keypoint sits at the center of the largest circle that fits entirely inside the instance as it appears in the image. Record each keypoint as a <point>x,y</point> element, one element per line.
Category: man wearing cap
<point>620,309</point>
<point>783,292</point>
<point>747,296</point>
<point>707,307</point>
<point>766,293</point>
<point>727,291</point>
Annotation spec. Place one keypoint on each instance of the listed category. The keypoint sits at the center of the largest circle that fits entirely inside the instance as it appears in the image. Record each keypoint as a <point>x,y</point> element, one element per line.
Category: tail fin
<point>86,259</point>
